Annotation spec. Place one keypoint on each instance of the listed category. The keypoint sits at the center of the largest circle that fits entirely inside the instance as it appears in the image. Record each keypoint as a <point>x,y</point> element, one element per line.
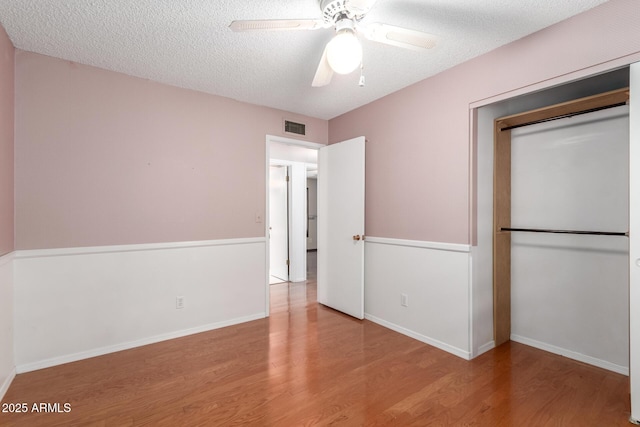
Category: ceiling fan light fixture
<point>344,52</point>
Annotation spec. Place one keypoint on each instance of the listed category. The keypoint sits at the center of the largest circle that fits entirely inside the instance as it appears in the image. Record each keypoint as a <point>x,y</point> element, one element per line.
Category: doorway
<point>483,317</point>
<point>280,211</point>
<point>340,261</point>
<point>312,224</point>
<point>299,159</point>
<point>560,229</point>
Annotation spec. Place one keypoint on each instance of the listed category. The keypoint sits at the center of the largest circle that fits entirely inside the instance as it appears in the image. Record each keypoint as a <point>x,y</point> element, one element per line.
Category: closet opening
<point>560,228</point>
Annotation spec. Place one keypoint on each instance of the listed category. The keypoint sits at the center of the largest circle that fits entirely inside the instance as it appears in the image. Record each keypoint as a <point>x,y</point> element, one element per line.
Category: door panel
<point>341,172</point>
<point>278,223</point>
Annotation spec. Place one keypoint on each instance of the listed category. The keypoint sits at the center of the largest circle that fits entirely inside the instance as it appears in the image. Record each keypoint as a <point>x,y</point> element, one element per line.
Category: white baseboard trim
<point>5,386</point>
<point>432,342</point>
<point>28,367</point>
<point>453,247</point>
<point>571,355</point>
<point>486,347</point>
<point>39,253</point>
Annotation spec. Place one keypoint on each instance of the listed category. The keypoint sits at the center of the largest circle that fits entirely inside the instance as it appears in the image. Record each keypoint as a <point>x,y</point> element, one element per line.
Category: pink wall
<point>103,159</point>
<point>419,149</point>
<point>6,143</point>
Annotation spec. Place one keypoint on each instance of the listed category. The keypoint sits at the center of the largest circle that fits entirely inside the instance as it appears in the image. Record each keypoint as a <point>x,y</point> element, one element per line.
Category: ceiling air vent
<point>293,127</point>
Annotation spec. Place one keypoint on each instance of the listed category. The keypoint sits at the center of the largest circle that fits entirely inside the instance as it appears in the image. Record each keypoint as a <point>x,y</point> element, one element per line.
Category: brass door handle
<point>356,237</point>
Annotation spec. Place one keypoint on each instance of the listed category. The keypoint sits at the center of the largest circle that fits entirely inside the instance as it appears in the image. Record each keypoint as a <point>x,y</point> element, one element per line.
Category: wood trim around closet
<point>502,193</point>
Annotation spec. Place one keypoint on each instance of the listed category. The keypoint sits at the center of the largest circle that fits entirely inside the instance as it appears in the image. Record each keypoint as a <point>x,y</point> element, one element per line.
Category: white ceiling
<point>187,43</point>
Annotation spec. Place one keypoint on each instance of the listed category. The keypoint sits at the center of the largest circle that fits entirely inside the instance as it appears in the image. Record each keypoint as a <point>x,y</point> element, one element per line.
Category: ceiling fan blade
<point>359,7</point>
<point>324,73</point>
<point>398,36</point>
<point>277,25</point>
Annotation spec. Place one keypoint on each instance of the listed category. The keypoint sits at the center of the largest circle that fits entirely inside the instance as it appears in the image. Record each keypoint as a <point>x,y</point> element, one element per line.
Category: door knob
<point>356,237</point>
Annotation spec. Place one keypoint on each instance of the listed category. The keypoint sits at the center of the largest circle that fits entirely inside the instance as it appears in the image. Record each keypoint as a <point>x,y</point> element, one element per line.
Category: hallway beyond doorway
<point>312,268</point>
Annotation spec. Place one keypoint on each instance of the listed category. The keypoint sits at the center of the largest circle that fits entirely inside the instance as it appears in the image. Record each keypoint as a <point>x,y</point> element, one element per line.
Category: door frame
<point>634,241</point>
<point>288,141</point>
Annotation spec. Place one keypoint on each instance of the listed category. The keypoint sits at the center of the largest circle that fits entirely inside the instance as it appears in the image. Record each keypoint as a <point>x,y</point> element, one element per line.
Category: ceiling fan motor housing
<point>335,10</point>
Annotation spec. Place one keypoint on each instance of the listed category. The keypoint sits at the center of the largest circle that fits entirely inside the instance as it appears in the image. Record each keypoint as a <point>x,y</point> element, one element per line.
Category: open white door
<point>341,226</point>
<point>634,242</point>
<point>278,224</point>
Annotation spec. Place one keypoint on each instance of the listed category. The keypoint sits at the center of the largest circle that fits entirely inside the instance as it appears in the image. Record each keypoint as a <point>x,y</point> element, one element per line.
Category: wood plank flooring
<point>309,365</point>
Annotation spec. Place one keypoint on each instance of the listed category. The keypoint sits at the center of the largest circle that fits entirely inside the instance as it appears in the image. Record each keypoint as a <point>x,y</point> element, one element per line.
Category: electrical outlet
<point>404,300</point>
<point>179,302</point>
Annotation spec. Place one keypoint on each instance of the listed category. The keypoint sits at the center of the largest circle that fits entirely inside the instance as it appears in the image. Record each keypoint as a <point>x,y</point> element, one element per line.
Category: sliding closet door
<point>634,224</point>
<point>569,292</point>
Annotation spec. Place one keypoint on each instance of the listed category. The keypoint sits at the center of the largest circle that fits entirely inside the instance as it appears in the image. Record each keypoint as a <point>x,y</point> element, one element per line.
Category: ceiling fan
<point>343,54</point>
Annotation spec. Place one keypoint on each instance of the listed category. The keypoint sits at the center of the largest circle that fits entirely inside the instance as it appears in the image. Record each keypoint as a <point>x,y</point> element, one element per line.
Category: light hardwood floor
<point>309,365</point>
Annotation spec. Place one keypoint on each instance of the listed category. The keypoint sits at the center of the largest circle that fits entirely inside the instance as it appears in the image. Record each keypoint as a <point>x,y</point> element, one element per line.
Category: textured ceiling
<point>187,43</point>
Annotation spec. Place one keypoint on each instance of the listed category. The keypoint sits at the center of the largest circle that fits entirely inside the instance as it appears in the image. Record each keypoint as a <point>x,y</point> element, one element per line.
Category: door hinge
<point>287,178</point>
<point>287,262</point>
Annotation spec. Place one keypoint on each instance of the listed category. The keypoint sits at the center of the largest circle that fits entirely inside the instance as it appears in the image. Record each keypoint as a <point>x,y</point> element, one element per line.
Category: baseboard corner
<point>486,347</point>
<point>7,383</point>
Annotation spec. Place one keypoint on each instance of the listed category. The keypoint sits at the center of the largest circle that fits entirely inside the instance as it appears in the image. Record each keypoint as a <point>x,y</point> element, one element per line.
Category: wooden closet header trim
<point>565,109</point>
